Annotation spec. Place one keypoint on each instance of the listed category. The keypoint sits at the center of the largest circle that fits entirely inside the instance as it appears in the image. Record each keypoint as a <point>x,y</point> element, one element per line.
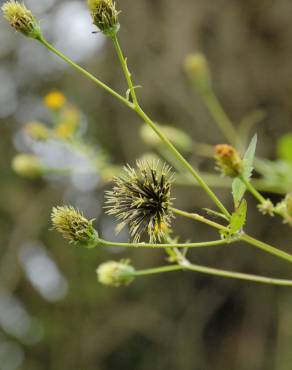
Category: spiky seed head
<point>21,19</point>
<point>141,199</point>
<point>284,208</point>
<point>105,16</point>
<point>27,165</point>
<point>74,227</point>
<point>228,160</point>
<point>197,68</point>
<point>115,274</point>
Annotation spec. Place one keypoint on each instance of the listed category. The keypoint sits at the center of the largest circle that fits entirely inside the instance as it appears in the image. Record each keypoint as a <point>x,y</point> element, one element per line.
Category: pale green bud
<point>115,274</point>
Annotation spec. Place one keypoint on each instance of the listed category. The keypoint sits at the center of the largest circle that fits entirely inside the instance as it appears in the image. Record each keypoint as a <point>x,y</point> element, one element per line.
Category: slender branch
<point>223,122</point>
<point>252,190</point>
<point>161,135</point>
<point>215,272</point>
<point>106,243</point>
<point>196,217</point>
<point>244,237</point>
<point>85,73</point>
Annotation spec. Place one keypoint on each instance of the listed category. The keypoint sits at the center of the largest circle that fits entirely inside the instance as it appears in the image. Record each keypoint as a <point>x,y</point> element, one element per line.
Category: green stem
<point>215,272</point>
<point>85,73</point>
<point>252,190</point>
<point>106,243</point>
<point>125,68</point>
<point>161,135</point>
<point>220,117</point>
<point>244,237</point>
<point>158,270</point>
<point>266,247</point>
<point>196,217</point>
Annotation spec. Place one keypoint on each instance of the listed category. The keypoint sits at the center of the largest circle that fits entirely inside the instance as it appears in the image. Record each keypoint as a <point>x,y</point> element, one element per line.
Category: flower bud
<point>284,208</point>
<point>71,223</point>
<point>196,67</point>
<point>105,16</point>
<point>21,19</point>
<point>37,131</point>
<point>115,274</point>
<point>27,165</point>
<point>267,208</point>
<point>228,160</point>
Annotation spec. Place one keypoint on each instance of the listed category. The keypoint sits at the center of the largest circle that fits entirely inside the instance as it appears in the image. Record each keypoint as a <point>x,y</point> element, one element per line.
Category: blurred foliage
<point>53,314</point>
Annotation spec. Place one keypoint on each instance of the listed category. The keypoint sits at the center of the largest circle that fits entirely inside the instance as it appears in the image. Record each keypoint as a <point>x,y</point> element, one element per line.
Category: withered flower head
<point>141,199</point>
<point>21,18</point>
<point>115,274</point>
<point>228,160</point>
<point>105,16</point>
<point>71,223</point>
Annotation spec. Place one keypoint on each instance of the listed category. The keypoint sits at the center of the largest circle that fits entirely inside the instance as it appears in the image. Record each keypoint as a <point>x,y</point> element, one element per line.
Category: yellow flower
<point>55,100</point>
<point>65,130</point>
<point>27,165</point>
<point>37,131</point>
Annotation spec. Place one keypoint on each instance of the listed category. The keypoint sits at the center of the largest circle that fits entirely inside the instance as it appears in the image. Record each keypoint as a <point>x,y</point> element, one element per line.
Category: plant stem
<point>244,237</point>
<point>125,68</point>
<point>158,270</point>
<point>85,73</point>
<point>161,135</point>
<point>266,247</point>
<point>215,272</point>
<point>252,190</point>
<point>214,243</point>
<point>219,115</point>
<point>196,217</point>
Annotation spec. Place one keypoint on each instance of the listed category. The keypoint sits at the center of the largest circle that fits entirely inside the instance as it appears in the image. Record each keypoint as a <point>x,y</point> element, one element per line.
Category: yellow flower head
<point>228,160</point>
<point>37,131</point>
<point>115,274</point>
<point>71,223</point>
<point>55,100</point>
<point>27,165</point>
<point>21,18</point>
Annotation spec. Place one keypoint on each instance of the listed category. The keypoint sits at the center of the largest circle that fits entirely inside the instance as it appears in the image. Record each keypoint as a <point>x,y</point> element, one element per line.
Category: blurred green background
<point>53,313</point>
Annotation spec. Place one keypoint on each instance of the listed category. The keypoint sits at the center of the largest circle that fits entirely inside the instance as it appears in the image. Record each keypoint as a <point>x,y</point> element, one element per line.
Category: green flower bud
<point>228,160</point>
<point>71,223</point>
<point>21,19</point>
<point>115,274</point>
<point>197,68</point>
<point>105,16</point>
<point>267,208</point>
<point>27,165</point>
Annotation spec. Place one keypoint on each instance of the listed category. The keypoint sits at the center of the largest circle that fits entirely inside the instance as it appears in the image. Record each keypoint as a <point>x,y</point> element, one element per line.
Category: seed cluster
<point>141,199</point>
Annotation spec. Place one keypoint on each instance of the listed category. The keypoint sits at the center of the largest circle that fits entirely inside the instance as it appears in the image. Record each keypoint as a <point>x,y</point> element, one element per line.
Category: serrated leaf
<point>238,187</point>
<point>238,218</point>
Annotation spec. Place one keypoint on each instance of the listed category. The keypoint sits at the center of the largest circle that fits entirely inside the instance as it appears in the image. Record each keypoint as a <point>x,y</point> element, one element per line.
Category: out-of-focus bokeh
<point>53,313</point>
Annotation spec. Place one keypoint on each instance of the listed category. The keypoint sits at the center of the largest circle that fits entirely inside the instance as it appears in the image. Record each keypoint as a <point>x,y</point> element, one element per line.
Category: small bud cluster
<point>284,208</point>
<point>27,165</point>
<point>71,223</point>
<point>115,274</point>
<point>21,19</point>
<point>105,16</point>
<point>228,160</point>
<point>267,208</point>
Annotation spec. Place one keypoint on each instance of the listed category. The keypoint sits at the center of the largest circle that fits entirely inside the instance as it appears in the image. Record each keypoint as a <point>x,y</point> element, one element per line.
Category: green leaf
<point>284,147</point>
<point>238,218</point>
<point>238,187</point>
<point>211,212</point>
